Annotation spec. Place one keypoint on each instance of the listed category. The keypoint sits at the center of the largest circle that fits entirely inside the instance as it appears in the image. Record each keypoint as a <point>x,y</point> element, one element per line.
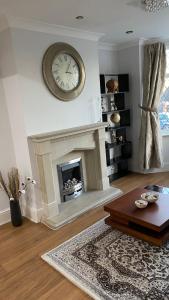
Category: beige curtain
<point>150,147</point>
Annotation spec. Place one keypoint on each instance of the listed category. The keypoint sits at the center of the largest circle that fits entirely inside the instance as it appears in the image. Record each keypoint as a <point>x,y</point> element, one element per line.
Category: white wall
<point>14,148</point>
<point>165,140</point>
<point>27,107</point>
<point>130,62</point>
<point>127,60</point>
<point>42,111</point>
<point>7,158</point>
<point>108,61</point>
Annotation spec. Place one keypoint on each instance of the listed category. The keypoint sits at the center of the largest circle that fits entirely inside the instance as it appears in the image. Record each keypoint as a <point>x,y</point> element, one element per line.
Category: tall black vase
<point>16,216</point>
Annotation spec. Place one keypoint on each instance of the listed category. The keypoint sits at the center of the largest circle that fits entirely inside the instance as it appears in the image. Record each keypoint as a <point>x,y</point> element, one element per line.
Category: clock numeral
<point>65,57</point>
<point>67,86</point>
<point>55,71</point>
<point>58,78</point>
<point>73,84</point>
<point>62,84</point>
<point>60,59</point>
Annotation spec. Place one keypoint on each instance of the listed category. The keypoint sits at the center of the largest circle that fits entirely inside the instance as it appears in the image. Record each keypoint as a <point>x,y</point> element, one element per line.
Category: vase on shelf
<point>16,216</point>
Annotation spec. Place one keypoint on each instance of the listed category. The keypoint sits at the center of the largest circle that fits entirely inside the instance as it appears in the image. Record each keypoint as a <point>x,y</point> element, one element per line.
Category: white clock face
<point>65,71</point>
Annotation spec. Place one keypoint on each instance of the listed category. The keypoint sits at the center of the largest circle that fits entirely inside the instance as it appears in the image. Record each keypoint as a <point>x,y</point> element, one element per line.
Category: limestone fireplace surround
<point>51,149</point>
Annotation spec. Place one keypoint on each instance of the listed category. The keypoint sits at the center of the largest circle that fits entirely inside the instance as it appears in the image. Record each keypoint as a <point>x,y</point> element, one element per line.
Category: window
<point>164,103</point>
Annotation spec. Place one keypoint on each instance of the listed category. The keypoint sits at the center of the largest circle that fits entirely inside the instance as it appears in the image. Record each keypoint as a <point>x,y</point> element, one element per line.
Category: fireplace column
<point>96,160</point>
<point>45,166</point>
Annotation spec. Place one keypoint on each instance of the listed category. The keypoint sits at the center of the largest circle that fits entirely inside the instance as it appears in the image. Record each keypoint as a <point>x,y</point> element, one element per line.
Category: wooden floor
<point>23,275</point>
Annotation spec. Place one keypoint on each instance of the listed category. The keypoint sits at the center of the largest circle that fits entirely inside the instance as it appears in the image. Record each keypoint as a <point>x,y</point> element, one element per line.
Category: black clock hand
<point>68,68</point>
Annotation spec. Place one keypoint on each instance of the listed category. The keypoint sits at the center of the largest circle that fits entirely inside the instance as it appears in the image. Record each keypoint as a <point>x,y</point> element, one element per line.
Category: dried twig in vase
<point>4,186</point>
<point>13,189</point>
<point>13,177</point>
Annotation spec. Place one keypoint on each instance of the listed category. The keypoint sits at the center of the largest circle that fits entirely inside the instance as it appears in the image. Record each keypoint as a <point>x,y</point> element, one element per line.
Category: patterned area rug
<point>110,265</point>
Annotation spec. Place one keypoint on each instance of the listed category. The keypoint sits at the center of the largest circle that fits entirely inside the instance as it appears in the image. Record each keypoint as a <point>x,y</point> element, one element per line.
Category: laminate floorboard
<point>25,276</point>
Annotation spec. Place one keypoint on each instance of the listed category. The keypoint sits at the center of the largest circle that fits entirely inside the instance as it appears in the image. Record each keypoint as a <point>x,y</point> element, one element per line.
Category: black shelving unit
<point>118,148</point>
<point>123,82</point>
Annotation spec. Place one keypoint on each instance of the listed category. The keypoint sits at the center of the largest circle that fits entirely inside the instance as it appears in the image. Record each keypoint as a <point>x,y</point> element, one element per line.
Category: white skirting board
<point>164,169</point>
<point>5,216</point>
<point>31,213</point>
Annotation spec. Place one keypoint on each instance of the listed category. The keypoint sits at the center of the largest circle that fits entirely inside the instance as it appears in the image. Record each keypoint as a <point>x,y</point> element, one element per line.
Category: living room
<point>53,126</point>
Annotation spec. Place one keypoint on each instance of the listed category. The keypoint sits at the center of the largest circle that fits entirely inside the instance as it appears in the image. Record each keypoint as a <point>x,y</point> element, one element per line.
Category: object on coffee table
<point>158,188</point>
<point>141,203</point>
<point>150,197</point>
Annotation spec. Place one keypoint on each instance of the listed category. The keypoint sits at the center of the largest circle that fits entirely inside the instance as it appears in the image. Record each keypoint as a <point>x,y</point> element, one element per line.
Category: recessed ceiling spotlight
<point>79,17</point>
<point>129,31</point>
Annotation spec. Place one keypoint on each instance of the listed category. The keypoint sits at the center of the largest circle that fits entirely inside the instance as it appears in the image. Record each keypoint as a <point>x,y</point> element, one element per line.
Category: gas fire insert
<point>70,179</point>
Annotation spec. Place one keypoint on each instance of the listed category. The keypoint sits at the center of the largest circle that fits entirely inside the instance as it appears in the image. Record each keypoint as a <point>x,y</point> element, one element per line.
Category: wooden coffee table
<point>150,224</point>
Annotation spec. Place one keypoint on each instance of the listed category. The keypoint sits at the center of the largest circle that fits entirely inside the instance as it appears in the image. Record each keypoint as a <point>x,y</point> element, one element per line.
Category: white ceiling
<point>112,17</point>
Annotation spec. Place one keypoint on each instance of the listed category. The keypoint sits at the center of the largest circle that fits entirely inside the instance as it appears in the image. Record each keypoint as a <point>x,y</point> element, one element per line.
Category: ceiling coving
<point>112,18</point>
<point>155,5</point>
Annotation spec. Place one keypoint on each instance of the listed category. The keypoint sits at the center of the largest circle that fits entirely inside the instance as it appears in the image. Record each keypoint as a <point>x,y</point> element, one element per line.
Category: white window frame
<point>166,132</point>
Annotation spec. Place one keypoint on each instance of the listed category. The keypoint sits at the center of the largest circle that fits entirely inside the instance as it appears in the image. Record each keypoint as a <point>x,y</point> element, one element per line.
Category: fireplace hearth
<point>70,176</point>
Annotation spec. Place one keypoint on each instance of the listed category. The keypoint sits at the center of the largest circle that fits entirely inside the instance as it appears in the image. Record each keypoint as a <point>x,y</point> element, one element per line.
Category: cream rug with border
<point>108,264</point>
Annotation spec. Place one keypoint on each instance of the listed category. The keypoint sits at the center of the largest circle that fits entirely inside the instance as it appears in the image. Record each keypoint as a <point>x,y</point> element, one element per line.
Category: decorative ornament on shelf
<point>104,104</point>
<point>112,103</point>
<point>115,117</point>
<point>114,138</point>
<point>14,190</point>
<point>112,86</point>
<point>155,5</point>
<point>120,139</point>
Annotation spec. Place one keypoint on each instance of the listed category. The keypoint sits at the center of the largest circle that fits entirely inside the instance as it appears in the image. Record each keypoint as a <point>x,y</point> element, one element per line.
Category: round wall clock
<point>63,71</point>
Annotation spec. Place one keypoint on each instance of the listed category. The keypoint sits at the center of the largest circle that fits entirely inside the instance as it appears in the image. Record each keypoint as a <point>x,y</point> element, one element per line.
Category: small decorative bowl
<point>150,197</point>
<point>141,203</point>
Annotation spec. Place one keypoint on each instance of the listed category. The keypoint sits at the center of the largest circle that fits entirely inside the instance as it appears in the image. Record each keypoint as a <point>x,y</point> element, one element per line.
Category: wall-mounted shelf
<point>116,128</point>
<point>124,118</point>
<point>125,153</point>
<point>111,111</point>
<point>112,145</point>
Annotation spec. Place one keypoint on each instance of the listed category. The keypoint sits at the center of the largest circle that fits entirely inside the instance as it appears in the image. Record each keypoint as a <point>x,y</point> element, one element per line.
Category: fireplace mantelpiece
<point>53,148</point>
